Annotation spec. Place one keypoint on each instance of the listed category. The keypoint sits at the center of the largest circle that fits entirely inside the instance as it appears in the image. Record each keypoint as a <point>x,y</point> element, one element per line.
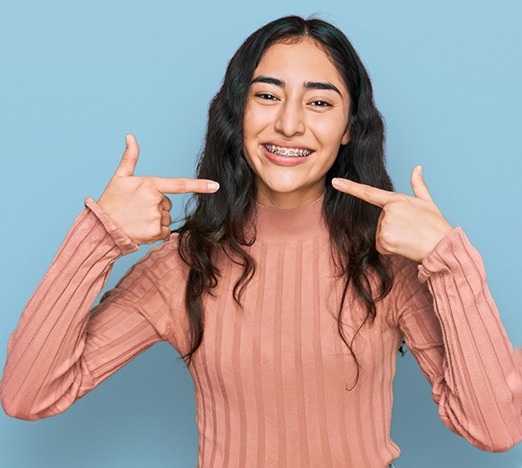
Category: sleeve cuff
<point>447,248</point>
<point>125,244</point>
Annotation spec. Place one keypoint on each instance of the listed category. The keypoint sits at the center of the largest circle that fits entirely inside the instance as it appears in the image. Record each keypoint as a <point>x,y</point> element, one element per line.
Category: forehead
<point>304,59</point>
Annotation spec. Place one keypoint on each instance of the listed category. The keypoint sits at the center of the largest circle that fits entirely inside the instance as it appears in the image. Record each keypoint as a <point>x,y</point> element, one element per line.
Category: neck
<point>291,224</point>
<point>287,201</point>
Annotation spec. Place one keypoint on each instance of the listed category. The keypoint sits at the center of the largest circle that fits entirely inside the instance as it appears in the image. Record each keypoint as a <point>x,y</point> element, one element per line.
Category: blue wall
<point>76,76</point>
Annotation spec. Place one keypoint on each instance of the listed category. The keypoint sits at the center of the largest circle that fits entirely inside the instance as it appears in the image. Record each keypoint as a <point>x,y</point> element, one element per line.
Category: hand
<point>408,226</point>
<point>137,205</point>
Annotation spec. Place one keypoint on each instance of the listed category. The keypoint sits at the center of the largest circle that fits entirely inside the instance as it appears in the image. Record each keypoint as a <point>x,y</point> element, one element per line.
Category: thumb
<point>418,185</point>
<point>129,158</point>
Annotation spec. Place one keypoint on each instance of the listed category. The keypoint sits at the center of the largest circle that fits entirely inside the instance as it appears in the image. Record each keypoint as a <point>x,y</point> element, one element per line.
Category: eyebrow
<point>322,85</point>
<point>269,80</point>
<point>307,85</point>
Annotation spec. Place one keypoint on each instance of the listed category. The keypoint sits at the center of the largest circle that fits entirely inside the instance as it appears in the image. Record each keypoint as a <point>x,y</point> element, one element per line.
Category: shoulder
<point>162,265</point>
<point>167,252</point>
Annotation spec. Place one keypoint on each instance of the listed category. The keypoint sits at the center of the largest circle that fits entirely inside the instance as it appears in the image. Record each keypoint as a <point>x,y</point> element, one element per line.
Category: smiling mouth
<point>288,152</point>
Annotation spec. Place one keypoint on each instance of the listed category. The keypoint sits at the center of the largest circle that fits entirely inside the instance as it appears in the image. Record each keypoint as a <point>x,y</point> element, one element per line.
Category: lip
<point>286,161</point>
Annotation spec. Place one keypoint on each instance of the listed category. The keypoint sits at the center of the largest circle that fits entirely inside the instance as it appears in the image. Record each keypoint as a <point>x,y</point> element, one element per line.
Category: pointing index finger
<point>369,194</point>
<point>182,185</point>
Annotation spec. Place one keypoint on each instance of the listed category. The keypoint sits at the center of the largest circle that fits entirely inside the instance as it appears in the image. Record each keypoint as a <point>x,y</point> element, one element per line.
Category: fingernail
<point>419,170</point>
<point>127,139</point>
<point>338,182</point>
<point>213,185</point>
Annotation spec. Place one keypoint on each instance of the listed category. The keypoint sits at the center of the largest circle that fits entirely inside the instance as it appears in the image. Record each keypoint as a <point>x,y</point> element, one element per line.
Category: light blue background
<point>75,76</point>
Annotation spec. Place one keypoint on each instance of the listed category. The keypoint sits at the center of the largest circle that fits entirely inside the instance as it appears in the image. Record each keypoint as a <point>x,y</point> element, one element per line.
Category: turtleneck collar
<point>280,225</point>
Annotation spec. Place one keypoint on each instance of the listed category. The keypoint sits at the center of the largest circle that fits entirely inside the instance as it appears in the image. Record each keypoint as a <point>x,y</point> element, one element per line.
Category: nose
<point>290,119</point>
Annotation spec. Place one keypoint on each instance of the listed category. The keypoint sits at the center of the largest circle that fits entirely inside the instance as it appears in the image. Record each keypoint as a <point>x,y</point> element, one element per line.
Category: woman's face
<point>296,118</point>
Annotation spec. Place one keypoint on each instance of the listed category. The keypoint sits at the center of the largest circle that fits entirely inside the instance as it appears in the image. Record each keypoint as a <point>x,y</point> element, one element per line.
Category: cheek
<point>248,119</point>
<point>257,120</point>
<point>249,146</point>
<point>246,122</point>
<point>331,133</point>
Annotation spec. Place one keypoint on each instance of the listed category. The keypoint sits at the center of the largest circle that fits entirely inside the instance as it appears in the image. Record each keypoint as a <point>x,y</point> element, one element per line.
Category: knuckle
<point>165,233</point>
<point>384,249</point>
<point>380,248</point>
<point>147,184</point>
<point>154,232</point>
<point>391,208</point>
<point>156,218</point>
<point>182,185</point>
<point>367,193</point>
<point>385,237</point>
<point>166,203</point>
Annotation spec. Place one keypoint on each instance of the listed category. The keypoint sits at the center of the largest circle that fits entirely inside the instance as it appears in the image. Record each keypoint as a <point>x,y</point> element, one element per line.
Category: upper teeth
<point>291,152</point>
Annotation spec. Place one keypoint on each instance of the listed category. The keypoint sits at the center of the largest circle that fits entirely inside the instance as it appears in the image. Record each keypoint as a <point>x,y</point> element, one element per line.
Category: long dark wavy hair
<point>217,222</point>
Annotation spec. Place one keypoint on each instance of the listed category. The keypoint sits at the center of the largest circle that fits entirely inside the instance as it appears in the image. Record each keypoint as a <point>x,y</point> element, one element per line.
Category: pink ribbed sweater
<point>271,380</point>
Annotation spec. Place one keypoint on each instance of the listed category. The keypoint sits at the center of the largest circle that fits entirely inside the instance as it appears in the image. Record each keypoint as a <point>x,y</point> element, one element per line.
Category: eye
<point>320,103</point>
<point>267,96</point>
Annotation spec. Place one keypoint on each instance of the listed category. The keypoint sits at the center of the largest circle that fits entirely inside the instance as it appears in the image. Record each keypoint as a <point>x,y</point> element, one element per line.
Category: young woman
<point>289,288</point>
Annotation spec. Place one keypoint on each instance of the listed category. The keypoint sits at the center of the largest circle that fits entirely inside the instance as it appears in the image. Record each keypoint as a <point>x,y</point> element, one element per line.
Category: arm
<point>60,350</point>
<point>456,335</point>
<point>452,325</point>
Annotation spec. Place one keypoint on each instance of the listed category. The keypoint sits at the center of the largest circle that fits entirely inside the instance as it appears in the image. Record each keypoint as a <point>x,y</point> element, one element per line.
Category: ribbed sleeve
<point>60,350</point>
<point>458,339</point>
